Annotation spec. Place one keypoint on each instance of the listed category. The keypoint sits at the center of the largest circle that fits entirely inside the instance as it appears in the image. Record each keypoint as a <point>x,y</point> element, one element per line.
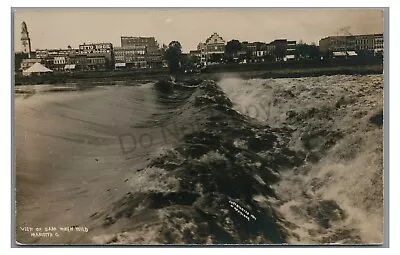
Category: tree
<point>232,48</point>
<point>308,51</point>
<point>18,57</point>
<point>164,48</point>
<point>173,55</point>
<point>280,52</point>
<point>188,61</point>
<point>215,58</point>
<point>314,50</point>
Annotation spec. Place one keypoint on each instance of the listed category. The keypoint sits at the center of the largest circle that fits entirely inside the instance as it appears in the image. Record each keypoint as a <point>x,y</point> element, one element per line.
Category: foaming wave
<point>335,196</point>
<point>210,168</point>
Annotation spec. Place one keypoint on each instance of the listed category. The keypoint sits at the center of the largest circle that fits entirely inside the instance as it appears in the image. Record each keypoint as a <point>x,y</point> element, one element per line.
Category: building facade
<point>291,50</point>
<point>28,62</point>
<point>280,49</point>
<point>130,56</point>
<point>201,47</point>
<point>369,42</point>
<point>153,56</point>
<point>55,59</point>
<point>213,50</point>
<point>378,44</point>
<point>97,51</point>
<point>195,53</point>
<point>97,56</point>
<point>76,61</point>
<point>98,62</point>
<point>133,41</point>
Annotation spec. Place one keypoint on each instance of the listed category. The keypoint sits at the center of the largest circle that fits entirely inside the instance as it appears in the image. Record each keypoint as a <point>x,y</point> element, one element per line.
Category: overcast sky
<point>58,28</point>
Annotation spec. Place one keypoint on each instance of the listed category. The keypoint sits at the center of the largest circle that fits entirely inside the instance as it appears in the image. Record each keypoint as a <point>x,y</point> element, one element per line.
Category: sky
<point>51,28</point>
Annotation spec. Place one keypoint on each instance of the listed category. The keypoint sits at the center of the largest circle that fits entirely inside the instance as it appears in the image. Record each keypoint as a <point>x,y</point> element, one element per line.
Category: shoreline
<point>129,78</point>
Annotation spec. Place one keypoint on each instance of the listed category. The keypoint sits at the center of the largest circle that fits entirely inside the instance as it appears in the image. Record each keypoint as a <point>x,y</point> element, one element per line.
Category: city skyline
<point>189,26</point>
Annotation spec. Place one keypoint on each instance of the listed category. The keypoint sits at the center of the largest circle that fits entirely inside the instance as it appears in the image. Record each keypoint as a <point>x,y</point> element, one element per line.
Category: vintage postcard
<point>209,126</point>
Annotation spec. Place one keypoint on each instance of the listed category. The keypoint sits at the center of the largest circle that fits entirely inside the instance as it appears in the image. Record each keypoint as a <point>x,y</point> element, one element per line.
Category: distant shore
<point>132,77</point>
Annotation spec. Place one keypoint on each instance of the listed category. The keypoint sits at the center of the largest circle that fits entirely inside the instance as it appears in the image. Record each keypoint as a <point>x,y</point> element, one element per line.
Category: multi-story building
<point>337,43</point>
<point>28,62</point>
<point>378,44</point>
<point>201,47</point>
<point>361,42</point>
<point>98,62</point>
<point>254,51</point>
<point>153,54</point>
<point>97,51</point>
<point>291,50</point>
<point>270,47</point>
<point>51,53</point>
<point>346,43</point>
<point>54,59</point>
<point>280,49</point>
<point>149,42</point>
<point>213,49</point>
<point>265,52</point>
<point>96,48</point>
<point>251,47</point>
<point>283,49</point>
<point>154,60</point>
<point>76,61</point>
<point>98,56</point>
<point>130,56</point>
<point>195,53</point>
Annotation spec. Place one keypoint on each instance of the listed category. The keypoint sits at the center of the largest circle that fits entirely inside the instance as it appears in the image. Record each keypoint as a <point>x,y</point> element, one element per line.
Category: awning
<point>120,64</point>
<point>70,67</point>
<point>339,54</point>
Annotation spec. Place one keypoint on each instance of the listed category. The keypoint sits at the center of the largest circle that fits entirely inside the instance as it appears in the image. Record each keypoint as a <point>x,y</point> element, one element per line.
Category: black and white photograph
<point>198,126</point>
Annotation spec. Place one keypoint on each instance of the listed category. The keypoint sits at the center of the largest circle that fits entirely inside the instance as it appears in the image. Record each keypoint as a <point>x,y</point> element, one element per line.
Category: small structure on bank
<point>36,69</point>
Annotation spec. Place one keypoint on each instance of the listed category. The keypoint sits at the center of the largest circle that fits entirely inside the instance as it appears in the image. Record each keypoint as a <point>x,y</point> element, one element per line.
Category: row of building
<point>213,50</point>
<point>345,43</point>
<point>134,52</point>
<point>145,52</point>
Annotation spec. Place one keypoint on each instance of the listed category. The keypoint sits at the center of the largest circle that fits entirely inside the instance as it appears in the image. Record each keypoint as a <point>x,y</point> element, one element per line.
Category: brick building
<point>130,57</point>
<point>153,55</point>
<point>99,56</point>
<point>344,43</point>
<point>213,49</point>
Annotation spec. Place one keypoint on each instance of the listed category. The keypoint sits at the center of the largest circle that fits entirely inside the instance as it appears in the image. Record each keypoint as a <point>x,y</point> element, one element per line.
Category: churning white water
<point>337,195</point>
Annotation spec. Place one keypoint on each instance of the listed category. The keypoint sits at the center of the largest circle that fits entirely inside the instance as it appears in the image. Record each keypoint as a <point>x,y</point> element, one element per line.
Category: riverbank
<point>133,77</point>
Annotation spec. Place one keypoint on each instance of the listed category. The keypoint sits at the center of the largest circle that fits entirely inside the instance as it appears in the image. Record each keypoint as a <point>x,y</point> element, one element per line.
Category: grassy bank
<point>244,71</point>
